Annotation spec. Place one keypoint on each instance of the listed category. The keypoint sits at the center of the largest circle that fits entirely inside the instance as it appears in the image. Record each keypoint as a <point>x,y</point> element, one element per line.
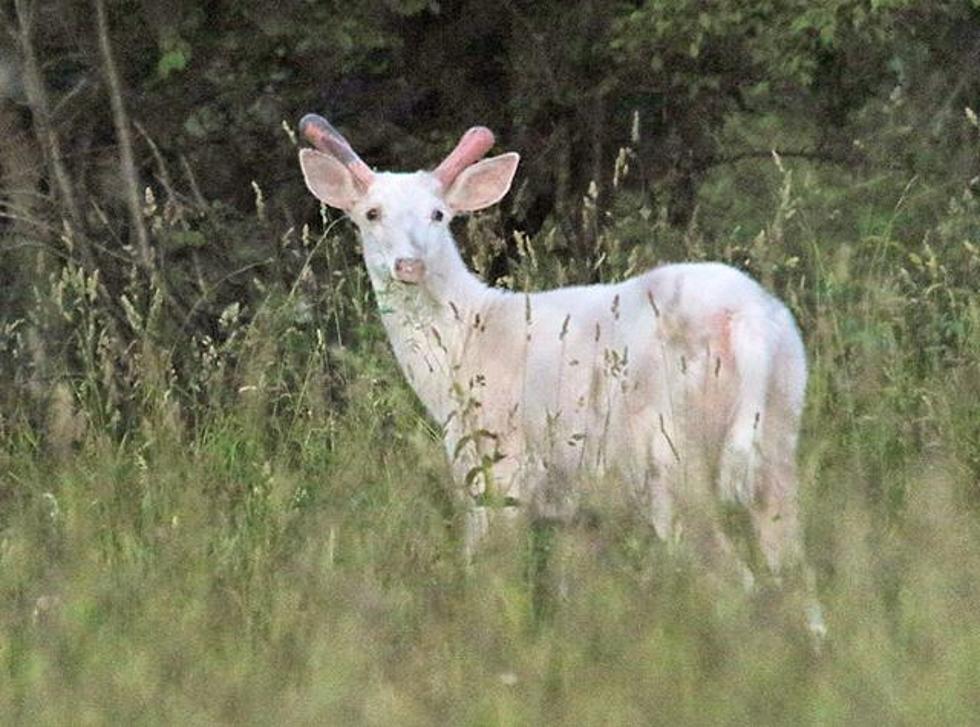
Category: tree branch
<point>124,139</point>
<point>37,99</point>
<point>814,155</point>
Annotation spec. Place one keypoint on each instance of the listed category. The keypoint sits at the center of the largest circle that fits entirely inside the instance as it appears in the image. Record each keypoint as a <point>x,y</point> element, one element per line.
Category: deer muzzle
<point>409,270</point>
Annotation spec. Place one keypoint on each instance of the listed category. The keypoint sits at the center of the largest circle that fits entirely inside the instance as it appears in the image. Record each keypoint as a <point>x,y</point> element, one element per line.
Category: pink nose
<point>409,270</point>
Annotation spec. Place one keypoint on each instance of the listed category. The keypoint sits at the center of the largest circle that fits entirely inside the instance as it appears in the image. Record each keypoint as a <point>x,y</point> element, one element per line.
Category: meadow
<point>253,526</point>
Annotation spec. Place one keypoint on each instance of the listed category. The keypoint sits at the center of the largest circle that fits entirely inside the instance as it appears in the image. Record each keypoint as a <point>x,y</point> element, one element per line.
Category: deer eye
<point>373,214</point>
<point>437,215</point>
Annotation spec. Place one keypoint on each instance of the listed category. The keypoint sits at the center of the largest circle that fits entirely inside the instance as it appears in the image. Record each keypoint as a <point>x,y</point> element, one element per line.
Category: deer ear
<point>482,184</point>
<point>328,179</point>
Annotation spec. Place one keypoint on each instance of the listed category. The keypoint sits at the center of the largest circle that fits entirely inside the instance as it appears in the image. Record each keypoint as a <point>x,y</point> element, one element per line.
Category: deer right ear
<point>482,184</point>
<point>328,179</point>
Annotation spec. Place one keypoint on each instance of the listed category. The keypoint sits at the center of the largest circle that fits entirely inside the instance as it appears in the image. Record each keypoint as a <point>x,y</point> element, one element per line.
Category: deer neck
<point>426,325</point>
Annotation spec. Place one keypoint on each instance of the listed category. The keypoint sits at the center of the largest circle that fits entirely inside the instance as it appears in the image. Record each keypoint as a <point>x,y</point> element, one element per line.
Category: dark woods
<point>149,191</point>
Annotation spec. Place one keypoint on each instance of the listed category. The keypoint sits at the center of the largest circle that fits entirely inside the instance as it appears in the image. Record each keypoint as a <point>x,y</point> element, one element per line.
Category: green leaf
<point>171,61</point>
<point>176,55</point>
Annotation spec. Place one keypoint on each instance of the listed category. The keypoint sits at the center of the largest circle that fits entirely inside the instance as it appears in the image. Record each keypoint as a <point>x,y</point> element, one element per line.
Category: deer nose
<point>409,270</point>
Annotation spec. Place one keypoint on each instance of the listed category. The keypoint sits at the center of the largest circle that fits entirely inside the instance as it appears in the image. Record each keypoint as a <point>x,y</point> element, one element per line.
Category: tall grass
<point>252,525</point>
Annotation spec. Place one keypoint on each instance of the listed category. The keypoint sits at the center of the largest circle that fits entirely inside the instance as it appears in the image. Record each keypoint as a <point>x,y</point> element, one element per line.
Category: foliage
<point>220,502</point>
<point>255,526</point>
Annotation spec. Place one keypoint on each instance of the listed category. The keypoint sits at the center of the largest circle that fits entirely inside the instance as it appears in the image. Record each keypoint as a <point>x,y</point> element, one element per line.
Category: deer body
<point>683,385</point>
<point>639,380</point>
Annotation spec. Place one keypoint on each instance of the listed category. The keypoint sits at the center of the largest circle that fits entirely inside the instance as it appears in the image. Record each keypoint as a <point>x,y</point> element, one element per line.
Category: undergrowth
<point>249,522</point>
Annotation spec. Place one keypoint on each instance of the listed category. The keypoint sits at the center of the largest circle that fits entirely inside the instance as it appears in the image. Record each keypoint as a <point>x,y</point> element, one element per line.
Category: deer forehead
<point>403,193</point>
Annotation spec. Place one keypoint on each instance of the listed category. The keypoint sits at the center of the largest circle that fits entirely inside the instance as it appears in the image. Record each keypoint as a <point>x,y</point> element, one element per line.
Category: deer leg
<point>750,348</point>
<point>775,518</point>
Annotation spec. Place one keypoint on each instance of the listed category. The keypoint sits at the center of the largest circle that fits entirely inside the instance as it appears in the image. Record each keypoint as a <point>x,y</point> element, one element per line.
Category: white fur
<point>684,384</point>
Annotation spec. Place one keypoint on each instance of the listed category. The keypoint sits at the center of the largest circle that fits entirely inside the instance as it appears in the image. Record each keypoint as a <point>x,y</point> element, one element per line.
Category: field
<point>254,527</point>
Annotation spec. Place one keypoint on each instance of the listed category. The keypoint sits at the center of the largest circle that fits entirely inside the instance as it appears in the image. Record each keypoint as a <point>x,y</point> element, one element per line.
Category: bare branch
<point>814,155</point>
<point>124,139</point>
<point>37,99</point>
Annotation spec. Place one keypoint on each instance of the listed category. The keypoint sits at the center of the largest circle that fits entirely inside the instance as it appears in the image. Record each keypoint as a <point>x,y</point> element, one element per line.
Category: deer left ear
<point>328,179</point>
<point>483,184</point>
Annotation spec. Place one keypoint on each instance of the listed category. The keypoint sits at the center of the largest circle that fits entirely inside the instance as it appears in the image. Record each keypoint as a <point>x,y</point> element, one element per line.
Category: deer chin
<point>409,270</point>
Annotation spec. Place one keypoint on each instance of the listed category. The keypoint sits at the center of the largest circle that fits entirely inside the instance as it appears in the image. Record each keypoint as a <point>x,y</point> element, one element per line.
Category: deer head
<point>403,218</point>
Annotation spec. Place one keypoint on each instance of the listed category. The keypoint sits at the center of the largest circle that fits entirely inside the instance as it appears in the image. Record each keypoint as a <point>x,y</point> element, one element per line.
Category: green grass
<point>260,532</point>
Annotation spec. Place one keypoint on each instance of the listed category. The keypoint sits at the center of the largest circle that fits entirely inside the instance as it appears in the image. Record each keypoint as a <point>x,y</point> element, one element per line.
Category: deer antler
<point>475,143</point>
<point>322,135</point>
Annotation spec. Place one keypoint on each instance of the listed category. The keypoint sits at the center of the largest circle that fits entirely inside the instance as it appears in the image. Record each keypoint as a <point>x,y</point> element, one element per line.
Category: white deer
<point>684,385</point>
